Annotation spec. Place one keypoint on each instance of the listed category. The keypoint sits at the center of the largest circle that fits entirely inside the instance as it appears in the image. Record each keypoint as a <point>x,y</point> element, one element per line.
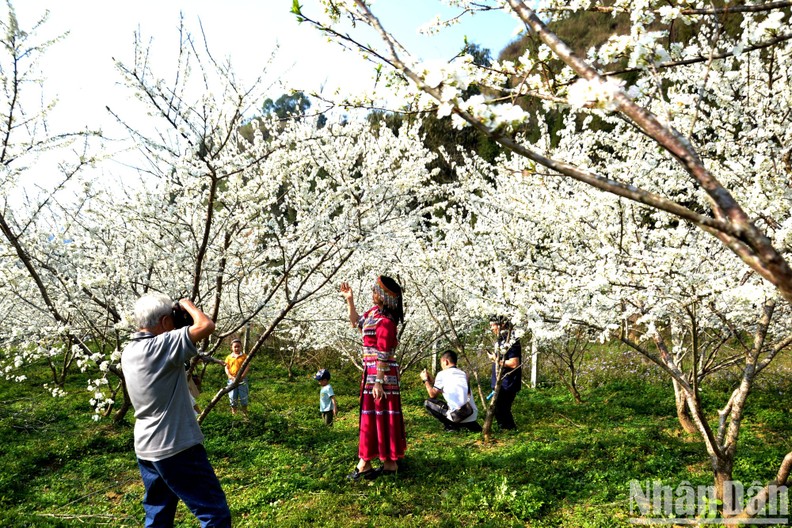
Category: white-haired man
<point>168,440</point>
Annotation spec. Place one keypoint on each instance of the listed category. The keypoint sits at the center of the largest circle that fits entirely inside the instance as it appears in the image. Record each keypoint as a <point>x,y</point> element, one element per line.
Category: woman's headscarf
<point>391,294</point>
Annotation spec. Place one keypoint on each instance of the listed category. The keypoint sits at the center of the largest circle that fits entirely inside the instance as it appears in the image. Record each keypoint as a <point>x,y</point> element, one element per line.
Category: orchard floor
<point>568,465</point>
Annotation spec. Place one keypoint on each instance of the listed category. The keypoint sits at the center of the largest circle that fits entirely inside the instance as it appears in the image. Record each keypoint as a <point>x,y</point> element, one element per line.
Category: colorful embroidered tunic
<point>381,422</point>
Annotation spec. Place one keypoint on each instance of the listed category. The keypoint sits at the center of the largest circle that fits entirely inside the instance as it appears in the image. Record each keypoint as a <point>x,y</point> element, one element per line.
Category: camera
<point>181,317</point>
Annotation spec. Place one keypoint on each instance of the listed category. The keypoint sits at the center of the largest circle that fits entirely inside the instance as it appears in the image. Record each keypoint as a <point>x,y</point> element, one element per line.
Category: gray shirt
<point>153,367</point>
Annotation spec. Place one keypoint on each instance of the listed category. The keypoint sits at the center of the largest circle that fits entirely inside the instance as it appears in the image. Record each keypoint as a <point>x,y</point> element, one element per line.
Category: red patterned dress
<point>381,422</point>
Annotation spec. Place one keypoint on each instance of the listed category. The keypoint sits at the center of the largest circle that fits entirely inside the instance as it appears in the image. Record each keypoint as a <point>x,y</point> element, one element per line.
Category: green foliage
<point>287,105</point>
<point>481,56</point>
<point>439,135</point>
<point>568,465</point>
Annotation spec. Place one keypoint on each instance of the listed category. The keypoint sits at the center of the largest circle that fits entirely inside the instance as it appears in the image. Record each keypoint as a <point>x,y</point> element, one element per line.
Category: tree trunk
<point>575,393</point>
<point>682,410</point>
<point>122,411</point>
<point>215,400</point>
<point>724,490</point>
<point>482,398</point>
<point>486,430</point>
<point>571,386</point>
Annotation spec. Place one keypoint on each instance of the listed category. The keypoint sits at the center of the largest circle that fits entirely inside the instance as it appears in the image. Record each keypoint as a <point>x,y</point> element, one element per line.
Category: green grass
<point>568,465</point>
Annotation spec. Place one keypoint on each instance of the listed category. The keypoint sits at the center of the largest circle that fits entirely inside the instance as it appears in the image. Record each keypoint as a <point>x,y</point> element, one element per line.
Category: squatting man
<point>454,385</point>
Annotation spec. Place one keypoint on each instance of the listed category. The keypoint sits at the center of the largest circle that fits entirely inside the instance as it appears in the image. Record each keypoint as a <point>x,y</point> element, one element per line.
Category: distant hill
<point>583,29</point>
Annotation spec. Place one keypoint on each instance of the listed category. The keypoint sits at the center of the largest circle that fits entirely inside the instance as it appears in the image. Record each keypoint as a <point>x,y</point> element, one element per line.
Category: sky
<point>79,69</point>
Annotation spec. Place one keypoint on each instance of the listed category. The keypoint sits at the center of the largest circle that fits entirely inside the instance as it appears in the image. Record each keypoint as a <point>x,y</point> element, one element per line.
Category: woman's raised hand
<point>346,291</point>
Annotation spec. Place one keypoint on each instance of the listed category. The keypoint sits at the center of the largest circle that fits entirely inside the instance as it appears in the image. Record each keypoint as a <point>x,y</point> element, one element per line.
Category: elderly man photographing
<point>168,439</point>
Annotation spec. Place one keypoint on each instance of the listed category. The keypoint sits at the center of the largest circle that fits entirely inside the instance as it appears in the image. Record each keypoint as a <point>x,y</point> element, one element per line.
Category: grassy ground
<point>568,465</point>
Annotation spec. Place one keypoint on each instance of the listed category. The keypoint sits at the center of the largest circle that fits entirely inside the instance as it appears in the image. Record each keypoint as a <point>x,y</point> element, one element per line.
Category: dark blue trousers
<point>503,409</point>
<point>187,476</point>
<point>439,408</point>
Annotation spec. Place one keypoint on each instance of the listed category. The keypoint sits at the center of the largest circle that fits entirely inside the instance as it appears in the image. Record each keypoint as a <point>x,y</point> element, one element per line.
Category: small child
<point>233,362</point>
<point>327,401</point>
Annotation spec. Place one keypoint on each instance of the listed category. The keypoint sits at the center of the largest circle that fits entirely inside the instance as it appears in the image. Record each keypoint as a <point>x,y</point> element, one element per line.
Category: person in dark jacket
<point>506,363</point>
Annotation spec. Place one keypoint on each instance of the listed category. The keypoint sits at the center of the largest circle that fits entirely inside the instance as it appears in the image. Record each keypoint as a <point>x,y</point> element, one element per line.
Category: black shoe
<point>369,474</point>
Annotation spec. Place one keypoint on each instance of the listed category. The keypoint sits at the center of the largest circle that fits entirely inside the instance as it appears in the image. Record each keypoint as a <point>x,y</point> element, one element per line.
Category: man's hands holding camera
<point>200,325</point>
<point>181,317</point>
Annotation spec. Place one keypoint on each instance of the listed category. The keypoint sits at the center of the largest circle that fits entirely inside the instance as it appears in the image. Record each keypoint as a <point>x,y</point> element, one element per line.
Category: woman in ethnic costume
<point>381,422</point>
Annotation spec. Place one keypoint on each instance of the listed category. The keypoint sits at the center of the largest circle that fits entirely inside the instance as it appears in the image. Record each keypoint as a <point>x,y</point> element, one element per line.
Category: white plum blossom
<point>669,13</point>
<point>507,115</point>
<point>434,73</point>
<point>647,50</point>
<point>445,109</point>
<point>594,93</point>
<point>54,390</point>
<point>769,27</point>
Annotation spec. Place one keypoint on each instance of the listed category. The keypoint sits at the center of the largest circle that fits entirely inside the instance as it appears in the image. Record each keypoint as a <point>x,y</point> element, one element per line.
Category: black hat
<point>322,374</point>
